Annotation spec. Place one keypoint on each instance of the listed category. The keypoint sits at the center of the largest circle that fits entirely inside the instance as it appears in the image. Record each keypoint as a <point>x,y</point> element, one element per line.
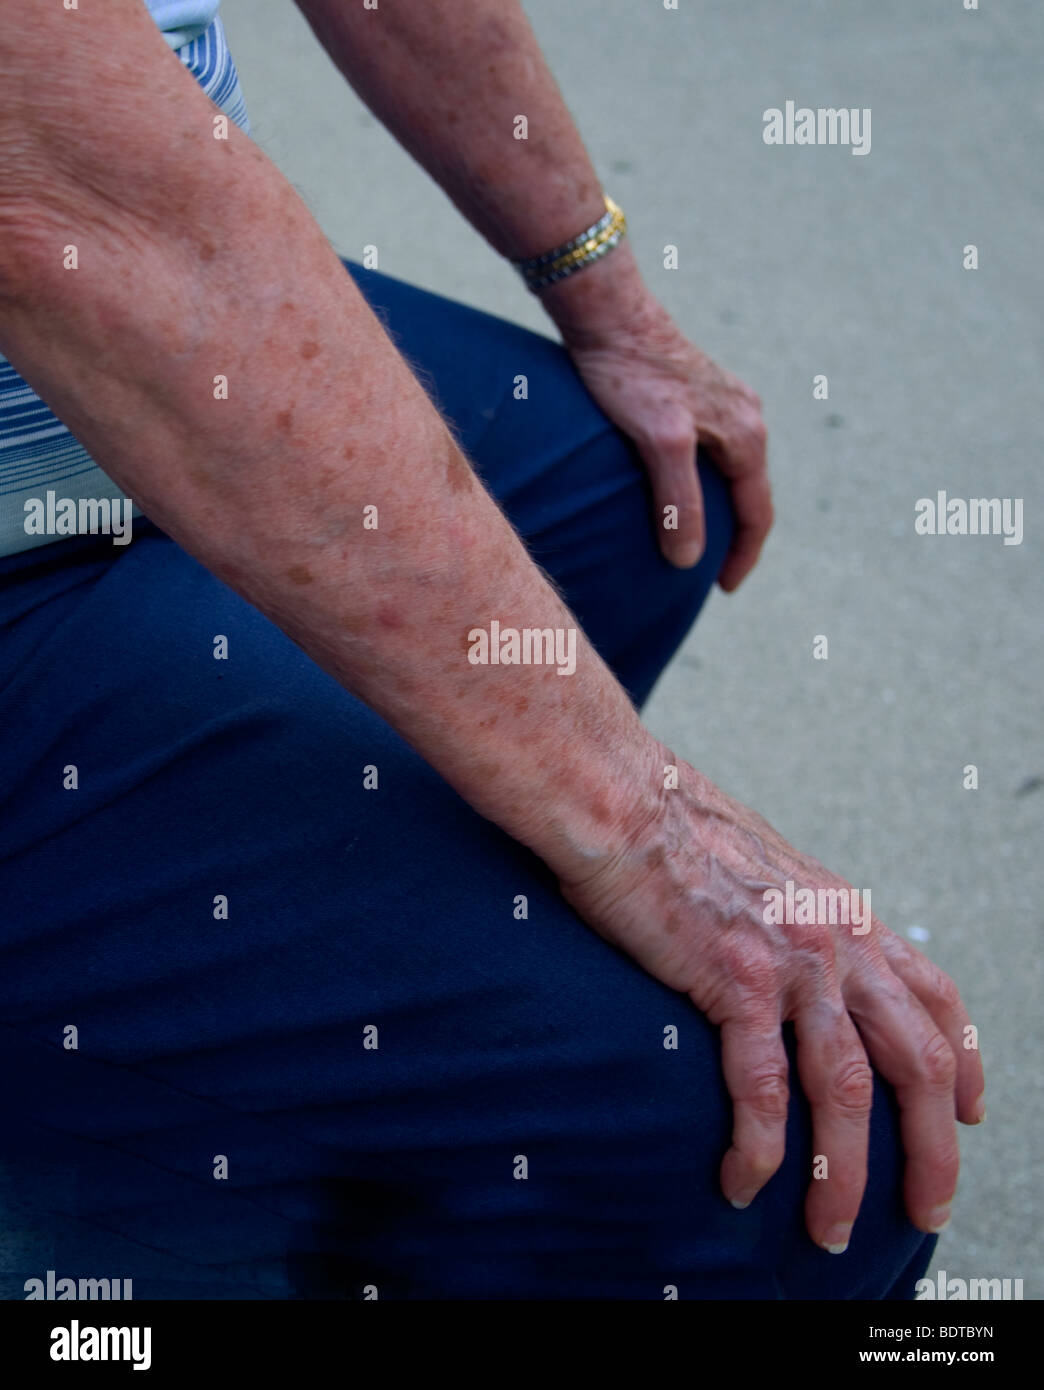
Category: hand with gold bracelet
<point>528,196</point>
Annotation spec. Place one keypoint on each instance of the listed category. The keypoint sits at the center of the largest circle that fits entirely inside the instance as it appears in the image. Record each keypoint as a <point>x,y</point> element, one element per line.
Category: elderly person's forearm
<point>270,487</point>
<point>449,82</point>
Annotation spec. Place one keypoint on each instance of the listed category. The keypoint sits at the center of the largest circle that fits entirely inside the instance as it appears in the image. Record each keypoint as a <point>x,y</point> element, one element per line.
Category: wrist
<point>611,813</point>
<point>599,300</point>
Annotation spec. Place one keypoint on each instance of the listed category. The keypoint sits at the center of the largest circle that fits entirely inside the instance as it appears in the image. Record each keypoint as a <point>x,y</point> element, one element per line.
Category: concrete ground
<point>795,261</point>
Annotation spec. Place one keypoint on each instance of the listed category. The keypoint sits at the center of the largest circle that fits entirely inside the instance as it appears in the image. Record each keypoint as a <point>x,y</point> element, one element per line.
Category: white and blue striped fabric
<point>181,21</point>
<point>37,452</point>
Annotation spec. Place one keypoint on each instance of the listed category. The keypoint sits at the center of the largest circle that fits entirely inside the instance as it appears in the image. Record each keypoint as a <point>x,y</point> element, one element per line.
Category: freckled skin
<point>389,618</point>
<point>584,749</point>
<point>284,419</point>
<point>299,574</point>
<point>458,472</point>
<point>310,349</point>
<point>207,252</point>
<point>521,705</point>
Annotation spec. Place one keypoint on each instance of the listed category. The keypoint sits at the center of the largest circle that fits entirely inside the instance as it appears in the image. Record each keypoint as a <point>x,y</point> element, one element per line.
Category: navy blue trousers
<point>221,1128</point>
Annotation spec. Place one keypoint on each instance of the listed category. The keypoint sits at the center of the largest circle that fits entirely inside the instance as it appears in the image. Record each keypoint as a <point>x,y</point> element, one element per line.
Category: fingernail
<point>938,1220</point>
<point>836,1239</point>
<point>688,555</point>
<point>740,1203</point>
<point>980,1109</point>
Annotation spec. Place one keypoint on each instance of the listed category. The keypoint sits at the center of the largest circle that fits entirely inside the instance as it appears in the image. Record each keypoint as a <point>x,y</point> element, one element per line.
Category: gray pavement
<point>796,261</point>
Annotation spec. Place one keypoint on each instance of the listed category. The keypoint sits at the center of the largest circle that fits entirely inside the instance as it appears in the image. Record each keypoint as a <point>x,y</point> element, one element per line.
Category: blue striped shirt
<point>38,455</point>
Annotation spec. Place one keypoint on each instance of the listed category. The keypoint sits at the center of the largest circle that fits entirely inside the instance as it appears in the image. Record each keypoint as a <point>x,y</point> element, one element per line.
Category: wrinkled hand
<point>667,396</point>
<point>686,900</point>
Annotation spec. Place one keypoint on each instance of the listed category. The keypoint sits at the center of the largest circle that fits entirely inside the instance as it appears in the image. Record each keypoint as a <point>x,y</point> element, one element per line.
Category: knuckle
<point>937,1065</point>
<point>689,512</point>
<point>671,438</point>
<point>853,1087</point>
<point>768,1093</point>
<point>749,967</point>
<point>758,432</point>
<point>748,427</point>
<point>944,988</point>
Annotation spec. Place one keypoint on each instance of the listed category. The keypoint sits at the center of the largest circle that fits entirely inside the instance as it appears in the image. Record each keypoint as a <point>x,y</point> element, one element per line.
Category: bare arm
<point>197,259</point>
<point>449,80</point>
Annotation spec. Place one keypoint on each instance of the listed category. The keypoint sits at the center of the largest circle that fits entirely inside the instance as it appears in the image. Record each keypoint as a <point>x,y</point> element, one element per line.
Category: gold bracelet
<point>597,241</point>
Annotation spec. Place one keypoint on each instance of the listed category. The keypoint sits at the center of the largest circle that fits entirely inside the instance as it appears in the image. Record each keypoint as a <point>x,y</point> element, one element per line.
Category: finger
<point>837,1079</point>
<point>752,504</point>
<point>941,998</point>
<point>909,1051</point>
<point>670,459</point>
<point>755,1066</point>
